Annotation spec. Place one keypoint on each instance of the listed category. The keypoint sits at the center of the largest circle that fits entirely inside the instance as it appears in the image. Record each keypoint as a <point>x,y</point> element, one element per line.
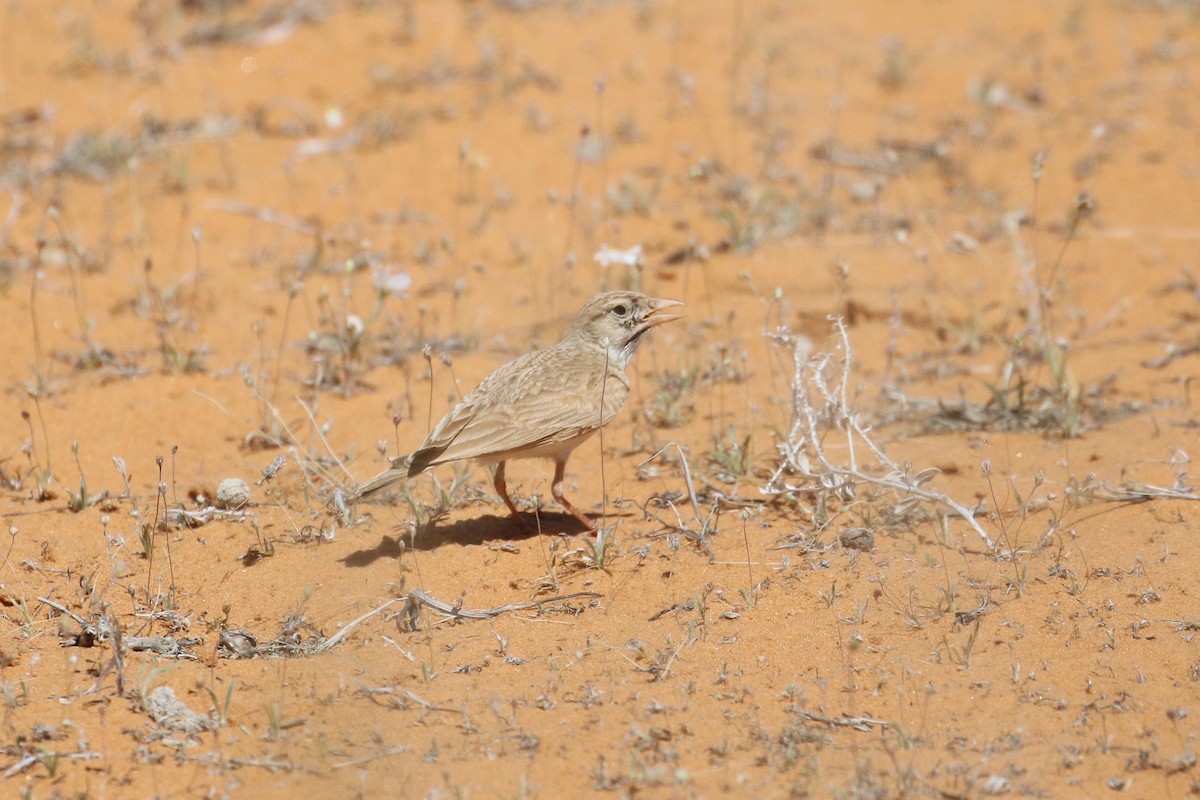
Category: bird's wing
<point>443,437</point>
<point>505,414</point>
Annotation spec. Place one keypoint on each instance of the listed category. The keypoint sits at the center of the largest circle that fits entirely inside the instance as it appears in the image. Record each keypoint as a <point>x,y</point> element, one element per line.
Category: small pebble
<point>233,493</point>
<point>857,539</point>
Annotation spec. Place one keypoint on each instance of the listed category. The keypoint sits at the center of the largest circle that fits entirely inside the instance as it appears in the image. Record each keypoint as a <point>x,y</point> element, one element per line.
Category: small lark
<point>543,404</point>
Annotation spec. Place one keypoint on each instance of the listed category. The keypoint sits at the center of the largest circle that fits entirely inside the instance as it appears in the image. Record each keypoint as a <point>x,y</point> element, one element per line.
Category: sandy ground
<point>274,241</point>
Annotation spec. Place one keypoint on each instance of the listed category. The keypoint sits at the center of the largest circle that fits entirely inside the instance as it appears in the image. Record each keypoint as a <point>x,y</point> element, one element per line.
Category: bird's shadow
<point>477,531</point>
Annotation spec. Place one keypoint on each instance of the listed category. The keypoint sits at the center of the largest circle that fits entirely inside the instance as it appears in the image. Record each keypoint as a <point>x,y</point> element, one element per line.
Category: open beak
<point>658,313</point>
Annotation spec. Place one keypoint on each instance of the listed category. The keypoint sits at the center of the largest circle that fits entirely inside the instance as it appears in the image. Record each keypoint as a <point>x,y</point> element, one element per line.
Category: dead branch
<point>417,598</point>
<point>804,454</point>
<point>845,721</point>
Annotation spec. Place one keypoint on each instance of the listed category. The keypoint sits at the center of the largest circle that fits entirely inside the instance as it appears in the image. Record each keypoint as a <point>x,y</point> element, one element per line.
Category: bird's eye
<point>621,310</point>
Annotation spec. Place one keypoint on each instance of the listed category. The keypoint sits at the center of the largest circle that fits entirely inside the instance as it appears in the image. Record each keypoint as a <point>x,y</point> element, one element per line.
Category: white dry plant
<point>631,259</point>
<point>820,404</point>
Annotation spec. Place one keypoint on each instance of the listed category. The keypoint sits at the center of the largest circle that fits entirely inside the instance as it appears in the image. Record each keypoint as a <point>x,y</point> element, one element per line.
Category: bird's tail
<point>398,471</point>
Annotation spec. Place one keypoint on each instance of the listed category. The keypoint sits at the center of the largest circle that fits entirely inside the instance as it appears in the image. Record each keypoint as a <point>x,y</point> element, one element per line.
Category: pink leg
<point>502,490</point>
<point>556,490</point>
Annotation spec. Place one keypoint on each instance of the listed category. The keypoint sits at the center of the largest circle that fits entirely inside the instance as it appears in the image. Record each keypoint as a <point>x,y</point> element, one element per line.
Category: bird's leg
<point>560,466</point>
<point>502,490</point>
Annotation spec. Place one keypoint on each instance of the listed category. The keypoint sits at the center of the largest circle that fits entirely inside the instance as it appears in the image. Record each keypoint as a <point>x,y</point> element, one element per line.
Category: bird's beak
<point>658,314</point>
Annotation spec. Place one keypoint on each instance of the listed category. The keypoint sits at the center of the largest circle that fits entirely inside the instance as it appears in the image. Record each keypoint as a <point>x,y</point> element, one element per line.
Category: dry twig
<point>804,452</point>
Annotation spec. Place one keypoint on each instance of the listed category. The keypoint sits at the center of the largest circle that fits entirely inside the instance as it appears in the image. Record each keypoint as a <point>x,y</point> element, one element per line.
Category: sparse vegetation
<point>903,508</point>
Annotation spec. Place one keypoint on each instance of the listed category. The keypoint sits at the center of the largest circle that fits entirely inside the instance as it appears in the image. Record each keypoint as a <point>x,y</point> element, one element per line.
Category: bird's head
<point>618,321</point>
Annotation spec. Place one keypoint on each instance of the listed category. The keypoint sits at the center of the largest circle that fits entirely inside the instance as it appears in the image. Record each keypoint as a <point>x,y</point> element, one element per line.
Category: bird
<point>543,404</point>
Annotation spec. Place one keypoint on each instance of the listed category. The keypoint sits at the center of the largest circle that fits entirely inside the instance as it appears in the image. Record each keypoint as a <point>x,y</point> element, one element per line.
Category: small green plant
<point>162,307</point>
<point>754,212</point>
<point>731,455</point>
<point>1020,401</point>
<point>600,548</point>
<point>274,720</point>
<point>961,656</point>
<point>671,406</point>
<point>78,502</point>
<point>43,472</point>
<point>14,694</point>
<point>49,760</point>
<point>337,350</point>
<point>220,707</point>
<point>858,616</point>
<point>147,679</point>
<point>445,498</point>
<point>949,597</point>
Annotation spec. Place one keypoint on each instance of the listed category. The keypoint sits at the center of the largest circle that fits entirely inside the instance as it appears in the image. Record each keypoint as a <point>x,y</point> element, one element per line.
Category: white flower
<point>392,282</point>
<point>608,256</point>
<point>354,325</point>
